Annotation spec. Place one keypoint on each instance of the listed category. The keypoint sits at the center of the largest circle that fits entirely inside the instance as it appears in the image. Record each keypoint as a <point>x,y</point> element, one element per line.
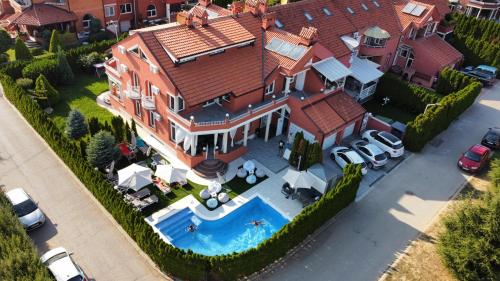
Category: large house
<point>216,79</point>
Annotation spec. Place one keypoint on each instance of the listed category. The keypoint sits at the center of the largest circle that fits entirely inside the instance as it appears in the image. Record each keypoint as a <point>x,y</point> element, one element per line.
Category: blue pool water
<point>232,233</point>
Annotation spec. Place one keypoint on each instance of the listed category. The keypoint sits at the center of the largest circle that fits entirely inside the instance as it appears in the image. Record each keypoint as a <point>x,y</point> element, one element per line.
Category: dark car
<point>492,138</point>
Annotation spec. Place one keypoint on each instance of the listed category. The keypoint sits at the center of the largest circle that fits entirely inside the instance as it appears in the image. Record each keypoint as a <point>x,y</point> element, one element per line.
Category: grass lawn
<point>389,111</point>
<point>81,95</point>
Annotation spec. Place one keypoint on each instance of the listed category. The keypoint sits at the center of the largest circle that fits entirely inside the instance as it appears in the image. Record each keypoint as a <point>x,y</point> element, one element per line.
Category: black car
<point>492,138</point>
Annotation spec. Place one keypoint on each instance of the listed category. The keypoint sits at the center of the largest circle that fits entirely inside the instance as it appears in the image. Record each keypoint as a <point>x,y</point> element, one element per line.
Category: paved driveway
<point>364,240</point>
<point>75,220</point>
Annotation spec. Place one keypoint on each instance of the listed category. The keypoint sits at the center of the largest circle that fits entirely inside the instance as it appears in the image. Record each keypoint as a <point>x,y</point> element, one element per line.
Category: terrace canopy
<point>134,177</point>
<point>332,69</point>
<point>298,179</point>
<point>365,70</point>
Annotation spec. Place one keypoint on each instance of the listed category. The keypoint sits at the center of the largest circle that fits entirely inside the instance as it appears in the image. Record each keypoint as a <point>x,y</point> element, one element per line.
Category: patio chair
<point>143,193</point>
<point>144,203</point>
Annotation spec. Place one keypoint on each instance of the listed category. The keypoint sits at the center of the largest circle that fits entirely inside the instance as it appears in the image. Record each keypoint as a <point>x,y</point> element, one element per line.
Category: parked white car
<point>385,141</point>
<point>343,156</point>
<point>62,266</point>
<point>374,156</point>
<point>25,208</point>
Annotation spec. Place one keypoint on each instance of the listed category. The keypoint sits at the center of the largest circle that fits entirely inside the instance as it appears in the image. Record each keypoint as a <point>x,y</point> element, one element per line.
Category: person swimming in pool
<point>256,222</point>
<point>191,228</point>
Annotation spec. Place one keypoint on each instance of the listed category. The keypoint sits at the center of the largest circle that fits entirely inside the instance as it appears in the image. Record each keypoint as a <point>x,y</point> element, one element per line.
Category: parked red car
<point>474,159</point>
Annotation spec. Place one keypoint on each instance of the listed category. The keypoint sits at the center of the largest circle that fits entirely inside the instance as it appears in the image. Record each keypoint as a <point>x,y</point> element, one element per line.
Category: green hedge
<point>410,97</point>
<point>186,265</point>
<point>437,118</point>
<point>46,67</point>
<point>18,256</point>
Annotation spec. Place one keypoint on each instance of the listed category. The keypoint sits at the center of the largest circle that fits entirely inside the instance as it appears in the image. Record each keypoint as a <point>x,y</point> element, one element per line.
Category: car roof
<point>494,130</point>
<point>487,67</point>
<point>354,156</point>
<point>62,269</point>
<point>374,148</point>
<point>389,137</point>
<point>477,148</point>
<point>17,196</point>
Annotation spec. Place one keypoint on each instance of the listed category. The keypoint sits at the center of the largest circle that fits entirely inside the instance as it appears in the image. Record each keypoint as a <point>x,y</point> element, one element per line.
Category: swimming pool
<point>232,233</point>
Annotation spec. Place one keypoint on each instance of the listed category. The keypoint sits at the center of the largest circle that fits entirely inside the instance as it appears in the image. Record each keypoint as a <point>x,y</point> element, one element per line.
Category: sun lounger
<point>143,193</point>
<point>164,188</point>
<point>144,203</point>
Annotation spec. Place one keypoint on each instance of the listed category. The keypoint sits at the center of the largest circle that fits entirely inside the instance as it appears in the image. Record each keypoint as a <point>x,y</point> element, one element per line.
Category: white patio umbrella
<point>170,174</point>
<point>134,177</point>
<point>298,179</point>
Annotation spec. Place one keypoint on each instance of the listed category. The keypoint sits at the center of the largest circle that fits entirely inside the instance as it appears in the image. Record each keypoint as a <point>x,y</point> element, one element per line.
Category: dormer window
<point>279,24</point>
<point>376,3</point>
<point>364,6</point>
<point>308,16</point>
<point>350,10</point>
<point>326,11</point>
<point>375,42</point>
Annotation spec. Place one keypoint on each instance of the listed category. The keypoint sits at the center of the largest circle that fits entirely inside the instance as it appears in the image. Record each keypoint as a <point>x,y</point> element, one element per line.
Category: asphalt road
<point>76,220</point>
<point>364,240</point>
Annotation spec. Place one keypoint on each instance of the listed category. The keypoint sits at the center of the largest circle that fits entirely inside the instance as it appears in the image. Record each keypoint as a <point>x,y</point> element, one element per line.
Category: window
<point>350,10</point>
<point>428,29</point>
<point>279,24</point>
<point>374,42</point>
<point>364,6</point>
<point>87,19</point>
<point>209,102</point>
<point>143,56</point>
<point>151,11</point>
<point>226,97</point>
<point>180,100</point>
<point>109,11</point>
<point>135,79</point>
<point>172,131</point>
<point>126,8</point>
<point>138,108</point>
<point>412,33</point>
<point>308,16</point>
<point>134,50</point>
<point>270,88</point>
<point>376,4</point>
<point>326,11</point>
<point>151,121</point>
<point>171,102</point>
<point>403,52</point>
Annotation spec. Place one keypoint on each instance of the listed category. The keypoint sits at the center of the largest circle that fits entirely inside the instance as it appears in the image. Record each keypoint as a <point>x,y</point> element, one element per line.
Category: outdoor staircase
<point>175,226</point>
<point>32,44</point>
<point>209,168</point>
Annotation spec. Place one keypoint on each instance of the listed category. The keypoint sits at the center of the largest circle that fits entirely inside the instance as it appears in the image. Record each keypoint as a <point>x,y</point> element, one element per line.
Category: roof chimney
<point>268,20</point>
<point>237,7</point>
<point>185,18</point>
<point>262,6</point>
<point>200,15</point>
<point>308,35</point>
<point>205,3</point>
<point>252,6</point>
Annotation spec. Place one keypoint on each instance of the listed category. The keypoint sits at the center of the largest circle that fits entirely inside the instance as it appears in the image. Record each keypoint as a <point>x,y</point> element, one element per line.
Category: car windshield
<point>379,157</point>
<point>55,258</point>
<point>472,156</point>
<point>389,137</point>
<point>76,278</point>
<point>397,146</point>
<point>24,208</point>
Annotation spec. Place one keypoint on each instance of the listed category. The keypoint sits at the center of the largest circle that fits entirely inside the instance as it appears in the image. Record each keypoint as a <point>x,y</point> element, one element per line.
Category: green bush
<point>98,36</point>
<point>101,150</point>
<point>73,55</point>
<point>65,72</point>
<point>76,127</point>
<point>4,58</point>
<point>36,52</point>
<point>450,81</point>
<point>87,61</point>
<point>55,43</point>
<point>25,83</point>
<point>5,41</point>
<point>410,97</point>
<point>308,153</point>
<point>14,69</point>
<point>45,92</point>
<point>46,67</point>
<point>18,256</point>
<point>22,52</point>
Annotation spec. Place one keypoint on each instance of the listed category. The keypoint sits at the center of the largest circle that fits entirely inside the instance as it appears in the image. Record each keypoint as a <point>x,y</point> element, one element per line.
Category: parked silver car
<point>343,156</point>
<point>385,141</point>
<point>374,156</point>
<point>26,209</point>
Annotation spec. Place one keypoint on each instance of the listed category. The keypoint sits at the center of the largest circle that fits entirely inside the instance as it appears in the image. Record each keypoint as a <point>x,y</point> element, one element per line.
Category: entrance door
<point>409,61</point>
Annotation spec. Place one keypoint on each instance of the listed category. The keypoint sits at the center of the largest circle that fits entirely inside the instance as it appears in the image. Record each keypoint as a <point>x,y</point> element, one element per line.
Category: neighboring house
<point>422,54</point>
<point>211,83</point>
<point>485,9</point>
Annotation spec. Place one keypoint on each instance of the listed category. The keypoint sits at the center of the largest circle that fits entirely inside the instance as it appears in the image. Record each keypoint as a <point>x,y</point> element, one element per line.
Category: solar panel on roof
<point>274,44</point>
<point>326,11</point>
<point>408,8</point>
<point>418,11</point>
<point>297,52</point>
<point>286,49</point>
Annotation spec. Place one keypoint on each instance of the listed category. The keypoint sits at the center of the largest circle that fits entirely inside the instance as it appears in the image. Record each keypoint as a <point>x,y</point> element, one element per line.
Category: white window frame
<point>270,88</point>
<point>172,131</point>
<point>171,102</point>
<point>180,104</point>
<point>108,9</point>
<point>138,109</point>
<point>86,23</point>
<point>151,13</point>
<point>125,6</point>
<point>404,49</point>
<point>210,102</point>
<point>152,119</point>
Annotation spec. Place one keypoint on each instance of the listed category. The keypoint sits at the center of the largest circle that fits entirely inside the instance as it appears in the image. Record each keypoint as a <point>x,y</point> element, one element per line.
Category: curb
<point>90,195</point>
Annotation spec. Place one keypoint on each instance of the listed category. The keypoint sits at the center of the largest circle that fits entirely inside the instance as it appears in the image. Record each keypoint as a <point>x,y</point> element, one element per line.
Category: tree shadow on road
<point>42,235</point>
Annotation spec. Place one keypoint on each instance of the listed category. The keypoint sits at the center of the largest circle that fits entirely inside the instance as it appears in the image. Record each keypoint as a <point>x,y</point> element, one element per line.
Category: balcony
<point>111,67</point>
<point>486,4</point>
<point>148,102</point>
<point>20,5</point>
<point>133,92</point>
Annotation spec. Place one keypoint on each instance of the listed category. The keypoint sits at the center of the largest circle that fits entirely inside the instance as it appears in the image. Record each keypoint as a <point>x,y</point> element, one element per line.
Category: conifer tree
<point>21,51</point>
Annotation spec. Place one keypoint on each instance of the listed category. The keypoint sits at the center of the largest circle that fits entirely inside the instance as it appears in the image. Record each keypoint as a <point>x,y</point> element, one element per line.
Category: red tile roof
<point>323,116</point>
<point>382,16</point>
<point>43,14</point>
<point>238,70</point>
<point>220,32</point>
<point>330,28</point>
<point>441,5</point>
<point>345,106</point>
<point>434,48</point>
<point>274,59</point>
<point>406,19</point>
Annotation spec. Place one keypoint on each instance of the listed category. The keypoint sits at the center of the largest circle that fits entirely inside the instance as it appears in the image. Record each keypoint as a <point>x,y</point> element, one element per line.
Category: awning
<point>365,70</point>
<point>332,69</point>
<point>377,32</point>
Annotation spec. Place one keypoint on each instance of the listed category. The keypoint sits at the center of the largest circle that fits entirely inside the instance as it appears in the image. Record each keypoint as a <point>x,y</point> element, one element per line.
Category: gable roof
<point>345,106</point>
<point>237,71</point>
<point>406,19</point>
<point>330,27</point>
<point>221,32</point>
<point>434,48</point>
<point>43,14</point>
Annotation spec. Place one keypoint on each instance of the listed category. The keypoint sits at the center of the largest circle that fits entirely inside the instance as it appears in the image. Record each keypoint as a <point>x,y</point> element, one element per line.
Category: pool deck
<point>269,191</point>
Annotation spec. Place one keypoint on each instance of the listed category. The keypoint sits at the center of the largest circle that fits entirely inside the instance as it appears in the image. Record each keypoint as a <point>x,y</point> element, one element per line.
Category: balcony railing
<point>133,92</point>
<point>110,67</point>
<point>148,102</point>
<point>368,91</point>
<point>20,4</point>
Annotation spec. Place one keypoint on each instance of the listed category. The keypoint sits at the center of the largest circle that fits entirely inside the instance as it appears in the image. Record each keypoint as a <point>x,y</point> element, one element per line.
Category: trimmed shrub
<point>45,91</point>
<point>36,52</point>
<point>18,256</point>
<point>14,69</point>
<point>55,43</point>
<point>46,67</point>
<point>25,83</point>
<point>294,156</point>
<point>101,149</point>
<point>65,71</point>
<point>73,55</point>
<point>76,127</point>
<point>87,61</point>
<point>118,128</point>
<point>22,52</point>
<point>94,126</point>
<point>5,41</point>
<point>4,58</point>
